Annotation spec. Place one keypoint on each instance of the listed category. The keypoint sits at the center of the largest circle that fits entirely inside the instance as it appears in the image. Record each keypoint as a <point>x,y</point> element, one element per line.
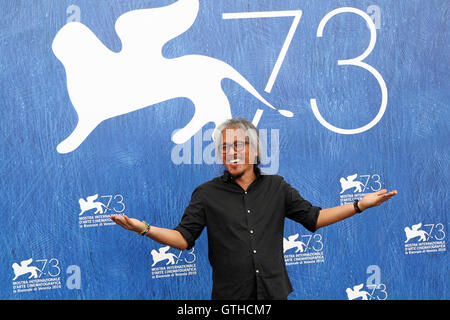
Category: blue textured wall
<point>128,160</point>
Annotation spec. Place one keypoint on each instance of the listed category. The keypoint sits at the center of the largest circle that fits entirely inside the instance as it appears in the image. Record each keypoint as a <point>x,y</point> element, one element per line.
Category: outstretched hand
<point>375,199</point>
<point>128,223</point>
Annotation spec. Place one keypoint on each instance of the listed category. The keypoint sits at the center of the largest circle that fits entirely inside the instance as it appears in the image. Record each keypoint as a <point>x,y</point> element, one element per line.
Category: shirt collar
<point>227,176</point>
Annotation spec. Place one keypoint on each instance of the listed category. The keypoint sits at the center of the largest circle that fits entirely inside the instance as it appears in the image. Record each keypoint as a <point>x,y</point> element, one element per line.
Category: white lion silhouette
<point>350,183</point>
<point>25,268</point>
<point>103,84</point>
<point>162,255</point>
<point>414,232</point>
<point>90,203</point>
<point>356,292</point>
<point>290,243</point>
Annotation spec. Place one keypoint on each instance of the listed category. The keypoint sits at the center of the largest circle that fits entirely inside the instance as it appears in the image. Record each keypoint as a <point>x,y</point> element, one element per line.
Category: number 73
<point>358,61</point>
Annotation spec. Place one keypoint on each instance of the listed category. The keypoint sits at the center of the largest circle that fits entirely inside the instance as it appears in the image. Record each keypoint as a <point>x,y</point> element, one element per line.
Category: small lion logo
<point>291,243</point>
<point>350,183</point>
<point>162,255</point>
<point>90,203</point>
<point>414,232</point>
<point>355,293</point>
<point>24,268</point>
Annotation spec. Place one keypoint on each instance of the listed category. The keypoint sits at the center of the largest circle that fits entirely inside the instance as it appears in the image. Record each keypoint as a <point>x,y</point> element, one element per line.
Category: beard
<point>238,175</point>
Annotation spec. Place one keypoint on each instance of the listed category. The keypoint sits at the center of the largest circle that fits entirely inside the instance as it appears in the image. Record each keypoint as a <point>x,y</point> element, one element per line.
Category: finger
<point>386,197</point>
<point>116,217</point>
<point>118,220</point>
<point>127,223</point>
<point>120,223</point>
<point>127,220</point>
<point>381,192</point>
<point>391,194</point>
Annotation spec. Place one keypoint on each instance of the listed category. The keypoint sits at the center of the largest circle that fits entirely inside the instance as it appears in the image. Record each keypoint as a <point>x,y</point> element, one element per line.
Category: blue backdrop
<point>377,119</point>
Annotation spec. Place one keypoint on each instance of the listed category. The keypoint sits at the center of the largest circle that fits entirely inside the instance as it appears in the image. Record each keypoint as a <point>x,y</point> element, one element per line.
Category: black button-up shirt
<point>245,233</point>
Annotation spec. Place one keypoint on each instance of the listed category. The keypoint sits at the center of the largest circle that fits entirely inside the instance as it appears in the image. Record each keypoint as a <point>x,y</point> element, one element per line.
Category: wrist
<point>145,229</point>
<point>363,205</point>
<point>358,206</point>
<point>140,227</point>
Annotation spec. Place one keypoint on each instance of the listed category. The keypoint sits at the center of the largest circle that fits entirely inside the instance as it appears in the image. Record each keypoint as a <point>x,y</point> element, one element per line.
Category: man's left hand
<point>375,199</point>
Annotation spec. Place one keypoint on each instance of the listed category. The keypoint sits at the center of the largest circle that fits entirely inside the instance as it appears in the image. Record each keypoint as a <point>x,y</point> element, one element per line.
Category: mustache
<point>234,160</point>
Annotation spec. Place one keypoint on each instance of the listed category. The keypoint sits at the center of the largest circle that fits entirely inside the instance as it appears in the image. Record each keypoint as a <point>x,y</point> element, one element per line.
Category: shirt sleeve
<point>300,210</point>
<point>193,220</point>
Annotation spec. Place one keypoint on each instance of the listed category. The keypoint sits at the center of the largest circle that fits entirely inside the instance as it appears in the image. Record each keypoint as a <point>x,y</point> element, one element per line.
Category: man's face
<point>237,154</point>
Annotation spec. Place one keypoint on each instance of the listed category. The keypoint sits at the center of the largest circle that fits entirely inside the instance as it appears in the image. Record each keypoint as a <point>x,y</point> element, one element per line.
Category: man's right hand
<point>128,223</point>
<point>165,236</point>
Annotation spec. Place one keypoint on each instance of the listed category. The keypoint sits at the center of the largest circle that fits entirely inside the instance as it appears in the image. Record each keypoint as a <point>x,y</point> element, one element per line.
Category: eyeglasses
<point>237,146</point>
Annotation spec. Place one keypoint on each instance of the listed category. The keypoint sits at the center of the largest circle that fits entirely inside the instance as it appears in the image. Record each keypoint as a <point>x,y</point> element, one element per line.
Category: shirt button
<point>245,192</point>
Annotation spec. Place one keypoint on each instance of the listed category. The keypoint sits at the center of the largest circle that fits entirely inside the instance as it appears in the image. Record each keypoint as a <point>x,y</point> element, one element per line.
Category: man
<point>244,213</point>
